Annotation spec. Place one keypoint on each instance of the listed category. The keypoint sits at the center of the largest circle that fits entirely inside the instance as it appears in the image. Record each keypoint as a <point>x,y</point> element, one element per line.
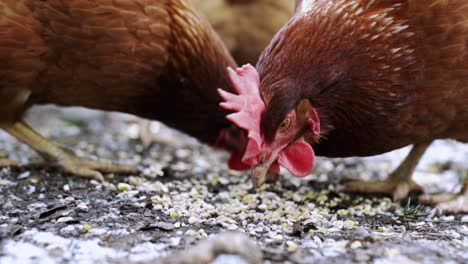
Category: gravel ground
<point>187,207</point>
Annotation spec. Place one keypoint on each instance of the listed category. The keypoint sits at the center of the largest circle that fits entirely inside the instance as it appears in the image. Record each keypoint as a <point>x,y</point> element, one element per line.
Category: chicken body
<point>390,74</point>
<point>360,78</point>
<point>246,26</point>
<point>158,59</point>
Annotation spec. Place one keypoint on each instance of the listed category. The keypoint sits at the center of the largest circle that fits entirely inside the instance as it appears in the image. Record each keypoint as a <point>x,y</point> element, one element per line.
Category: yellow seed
<point>134,181</point>
<point>174,214</point>
<point>191,232</point>
<point>87,227</point>
<point>349,224</point>
<point>291,245</point>
<point>324,231</point>
<point>124,187</point>
<point>343,212</point>
<point>34,180</point>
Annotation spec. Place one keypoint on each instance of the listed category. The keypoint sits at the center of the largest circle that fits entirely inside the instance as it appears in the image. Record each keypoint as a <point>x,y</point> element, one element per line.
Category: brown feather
<point>381,74</point>
<point>154,58</point>
<point>246,26</point>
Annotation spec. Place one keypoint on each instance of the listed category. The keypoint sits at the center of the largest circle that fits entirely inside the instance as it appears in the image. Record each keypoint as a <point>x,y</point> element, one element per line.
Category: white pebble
<point>464,219</point>
<point>355,244</point>
<point>65,219</point>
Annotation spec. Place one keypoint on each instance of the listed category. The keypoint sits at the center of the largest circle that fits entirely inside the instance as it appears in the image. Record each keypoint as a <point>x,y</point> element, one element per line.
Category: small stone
<point>66,187</point>
<point>361,232</point>
<point>263,207</point>
<point>83,207</point>
<point>192,220</point>
<point>158,187</point>
<point>123,187</point>
<point>223,180</point>
<point>349,224</point>
<point>292,246</point>
<point>232,227</point>
<point>355,244</point>
<point>464,219</point>
<point>166,226</point>
<point>65,219</point>
<point>191,232</point>
<point>24,175</point>
<point>194,193</point>
<point>94,182</point>
<point>202,233</point>
<point>324,231</point>
<point>464,229</point>
<point>175,241</point>
<point>277,237</point>
<point>449,218</point>
<point>70,199</point>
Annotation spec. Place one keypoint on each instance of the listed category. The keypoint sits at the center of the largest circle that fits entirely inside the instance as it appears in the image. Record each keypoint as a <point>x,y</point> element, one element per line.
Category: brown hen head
<point>337,65</point>
<point>296,155</point>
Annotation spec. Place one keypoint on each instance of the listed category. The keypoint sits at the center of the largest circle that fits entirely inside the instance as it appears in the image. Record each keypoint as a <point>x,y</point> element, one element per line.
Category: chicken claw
<point>398,189</point>
<point>89,168</point>
<point>448,202</point>
<point>146,136</point>
<point>8,163</point>
<point>62,157</point>
<point>399,184</point>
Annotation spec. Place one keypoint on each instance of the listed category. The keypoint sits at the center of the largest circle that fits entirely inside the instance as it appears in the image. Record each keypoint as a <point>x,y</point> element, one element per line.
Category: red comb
<point>249,108</point>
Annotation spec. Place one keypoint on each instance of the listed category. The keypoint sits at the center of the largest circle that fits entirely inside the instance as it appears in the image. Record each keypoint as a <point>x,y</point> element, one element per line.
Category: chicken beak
<point>259,172</point>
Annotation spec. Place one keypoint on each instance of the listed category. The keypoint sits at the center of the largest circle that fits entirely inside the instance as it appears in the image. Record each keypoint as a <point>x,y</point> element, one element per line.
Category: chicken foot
<point>62,157</point>
<point>8,163</point>
<point>399,183</point>
<point>146,136</point>
<point>448,202</point>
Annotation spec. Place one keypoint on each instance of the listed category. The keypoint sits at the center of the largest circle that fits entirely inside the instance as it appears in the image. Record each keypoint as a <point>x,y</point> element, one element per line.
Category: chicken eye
<point>285,124</point>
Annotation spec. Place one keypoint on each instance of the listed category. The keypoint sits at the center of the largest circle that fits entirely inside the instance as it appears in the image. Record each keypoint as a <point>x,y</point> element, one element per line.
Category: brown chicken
<point>158,59</point>
<point>245,26</point>
<point>358,78</point>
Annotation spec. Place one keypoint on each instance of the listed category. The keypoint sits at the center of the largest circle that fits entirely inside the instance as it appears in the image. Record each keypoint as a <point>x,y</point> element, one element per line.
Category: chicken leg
<point>448,202</point>
<point>399,183</point>
<point>146,136</point>
<point>8,163</point>
<point>62,157</point>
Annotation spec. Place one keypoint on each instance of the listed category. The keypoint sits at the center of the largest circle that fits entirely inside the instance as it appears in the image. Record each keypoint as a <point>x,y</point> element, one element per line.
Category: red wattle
<point>235,162</point>
<point>298,158</point>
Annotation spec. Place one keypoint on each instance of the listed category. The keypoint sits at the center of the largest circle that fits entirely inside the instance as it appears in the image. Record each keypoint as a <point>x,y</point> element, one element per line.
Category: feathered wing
<point>105,47</point>
<point>22,52</point>
<point>443,28</point>
<point>128,55</point>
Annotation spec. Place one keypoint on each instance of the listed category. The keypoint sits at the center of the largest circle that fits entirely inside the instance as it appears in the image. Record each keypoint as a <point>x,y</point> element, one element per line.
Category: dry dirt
<point>185,196</point>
